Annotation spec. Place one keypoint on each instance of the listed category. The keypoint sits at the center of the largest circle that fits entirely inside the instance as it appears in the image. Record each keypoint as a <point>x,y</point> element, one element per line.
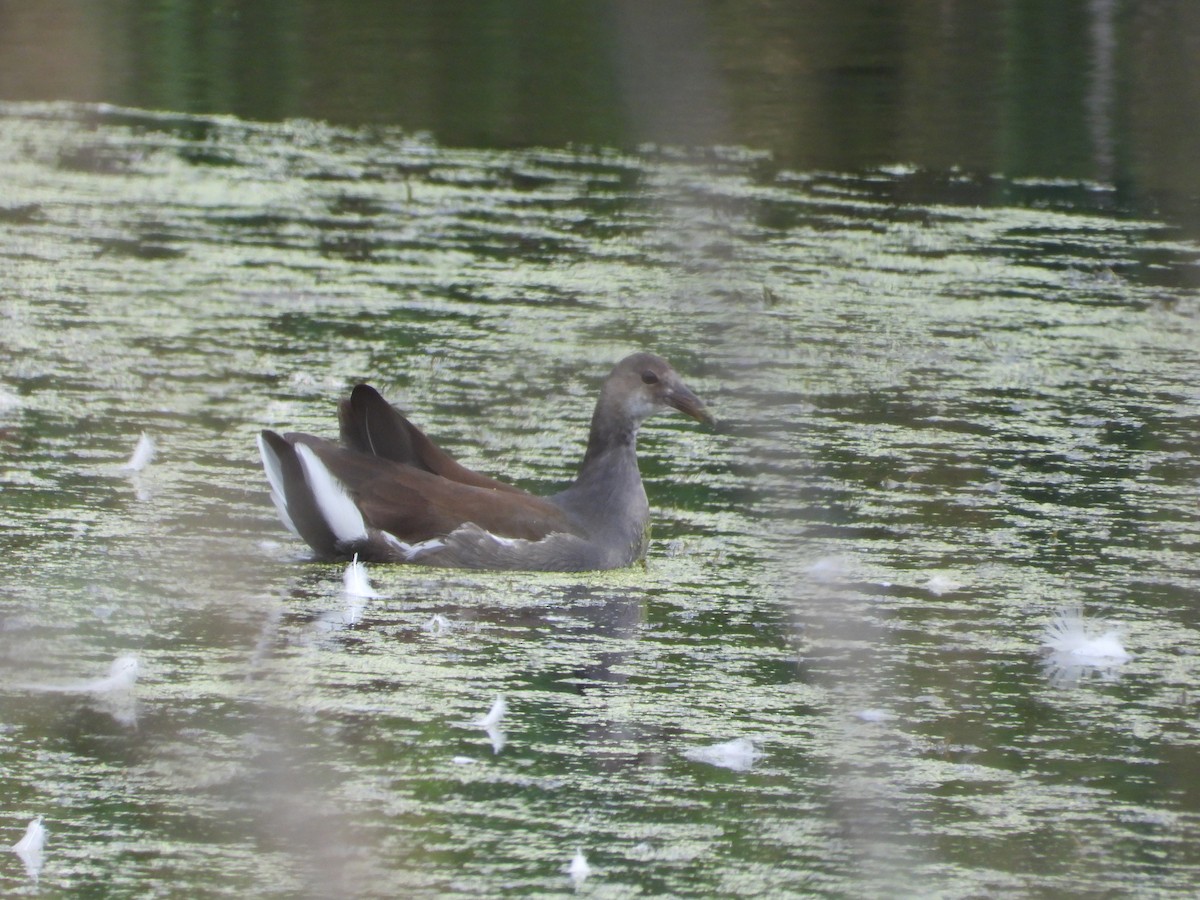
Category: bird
<point>389,494</point>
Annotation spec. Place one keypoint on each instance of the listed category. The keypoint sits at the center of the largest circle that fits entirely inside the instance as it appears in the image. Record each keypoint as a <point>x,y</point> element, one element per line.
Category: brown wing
<point>415,505</point>
<point>371,425</point>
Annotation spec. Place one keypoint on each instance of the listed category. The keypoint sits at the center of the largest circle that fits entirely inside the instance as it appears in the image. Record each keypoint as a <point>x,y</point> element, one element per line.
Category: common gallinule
<point>390,494</point>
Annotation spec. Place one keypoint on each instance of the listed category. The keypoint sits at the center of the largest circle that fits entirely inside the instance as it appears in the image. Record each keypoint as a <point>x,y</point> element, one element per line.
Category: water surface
<point>951,405</point>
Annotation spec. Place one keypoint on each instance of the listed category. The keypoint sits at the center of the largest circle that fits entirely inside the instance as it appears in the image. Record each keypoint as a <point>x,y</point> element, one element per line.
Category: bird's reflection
<point>581,614</point>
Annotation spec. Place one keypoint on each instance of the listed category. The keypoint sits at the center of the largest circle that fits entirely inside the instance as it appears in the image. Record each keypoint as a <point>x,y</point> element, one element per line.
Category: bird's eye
<point>649,378</point>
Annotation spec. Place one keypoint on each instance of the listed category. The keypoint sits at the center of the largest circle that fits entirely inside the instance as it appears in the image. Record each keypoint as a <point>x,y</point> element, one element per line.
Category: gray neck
<point>607,499</point>
<point>612,428</point>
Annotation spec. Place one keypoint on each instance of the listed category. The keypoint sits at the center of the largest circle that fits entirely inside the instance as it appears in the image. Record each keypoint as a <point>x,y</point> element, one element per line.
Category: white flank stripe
<point>412,551</point>
<point>274,470</point>
<point>284,515</point>
<point>423,547</point>
<point>271,466</point>
<point>338,510</point>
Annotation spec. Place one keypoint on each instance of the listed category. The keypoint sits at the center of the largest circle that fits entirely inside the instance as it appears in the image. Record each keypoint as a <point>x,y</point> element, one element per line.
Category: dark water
<point>954,402</point>
<point>1099,90</point>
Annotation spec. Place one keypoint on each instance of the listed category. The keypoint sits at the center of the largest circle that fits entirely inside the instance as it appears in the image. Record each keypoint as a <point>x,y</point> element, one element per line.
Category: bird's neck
<point>607,501</point>
<point>608,487</point>
<point>613,433</point>
<point>609,440</point>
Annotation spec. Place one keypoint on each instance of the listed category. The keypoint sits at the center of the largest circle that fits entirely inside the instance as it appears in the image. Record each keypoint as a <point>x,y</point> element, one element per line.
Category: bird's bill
<point>681,398</point>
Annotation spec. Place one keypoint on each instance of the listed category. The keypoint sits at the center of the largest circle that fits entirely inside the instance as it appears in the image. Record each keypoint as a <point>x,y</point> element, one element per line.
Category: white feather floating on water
<point>739,754</point>
<point>578,868</point>
<point>491,724</point>
<point>143,453</point>
<point>121,676</point>
<point>873,716</point>
<point>30,848</point>
<point>1072,643</point>
<point>827,569</point>
<point>355,581</point>
<point>939,584</point>
<point>498,711</point>
<point>34,839</point>
<point>497,736</point>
